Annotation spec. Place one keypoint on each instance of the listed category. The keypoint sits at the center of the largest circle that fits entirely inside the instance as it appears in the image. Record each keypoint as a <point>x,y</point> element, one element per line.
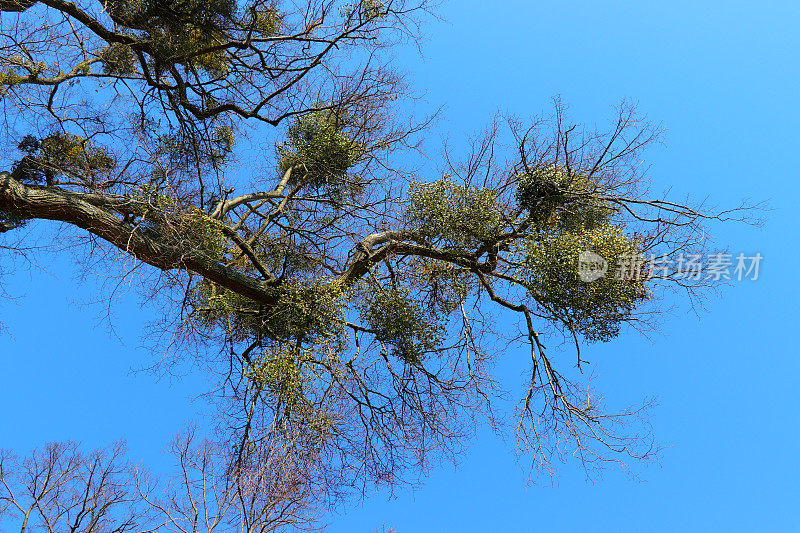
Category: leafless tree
<point>270,489</point>
<point>59,489</point>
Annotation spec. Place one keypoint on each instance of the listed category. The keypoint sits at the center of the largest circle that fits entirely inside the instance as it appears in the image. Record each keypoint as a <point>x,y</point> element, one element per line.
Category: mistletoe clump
<point>309,311</point>
<point>565,199</point>
<point>267,21</point>
<point>444,286</point>
<point>319,146</point>
<point>62,154</point>
<point>594,309</point>
<point>204,232</point>
<point>285,376</point>
<point>304,311</point>
<point>453,215</point>
<point>180,31</point>
<point>399,321</point>
<point>118,59</point>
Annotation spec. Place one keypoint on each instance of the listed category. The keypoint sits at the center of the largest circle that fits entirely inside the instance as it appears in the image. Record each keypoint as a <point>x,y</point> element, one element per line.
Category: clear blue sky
<point>724,78</point>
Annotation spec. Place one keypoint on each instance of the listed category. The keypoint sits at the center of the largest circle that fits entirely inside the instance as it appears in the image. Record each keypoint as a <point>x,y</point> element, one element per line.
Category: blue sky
<point>723,77</point>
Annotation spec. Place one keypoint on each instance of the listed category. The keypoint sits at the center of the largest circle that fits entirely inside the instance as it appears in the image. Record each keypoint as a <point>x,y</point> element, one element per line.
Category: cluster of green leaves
<point>569,199</point>
<point>179,28</point>
<point>217,307</point>
<point>19,67</point>
<point>267,21</point>
<point>172,222</point>
<point>310,312</point>
<point>9,78</point>
<point>454,215</point>
<point>204,232</point>
<point>149,199</point>
<point>304,324</point>
<point>283,376</point>
<point>573,219</point>
<point>178,151</point>
<point>222,140</point>
<point>594,309</point>
<point>318,146</point>
<point>118,59</point>
<point>62,154</point>
<point>364,11</point>
<point>158,213</point>
<point>443,285</point>
<point>146,14</point>
<point>74,153</point>
<point>190,39</point>
<point>398,320</point>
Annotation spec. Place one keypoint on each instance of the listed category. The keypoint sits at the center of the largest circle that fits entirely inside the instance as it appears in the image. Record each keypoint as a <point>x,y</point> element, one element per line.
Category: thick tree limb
<point>397,242</point>
<point>226,205</point>
<point>363,257</point>
<point>50,203</point>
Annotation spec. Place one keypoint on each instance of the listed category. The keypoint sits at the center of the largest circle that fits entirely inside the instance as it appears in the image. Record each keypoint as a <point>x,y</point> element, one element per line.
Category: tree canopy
<point>250,157</point>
